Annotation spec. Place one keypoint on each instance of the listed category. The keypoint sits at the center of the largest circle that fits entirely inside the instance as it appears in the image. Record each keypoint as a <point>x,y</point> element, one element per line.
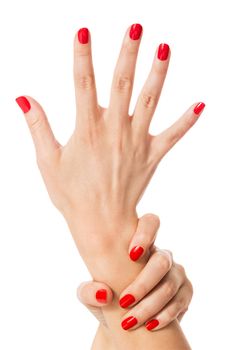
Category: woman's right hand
<point>159,294</point>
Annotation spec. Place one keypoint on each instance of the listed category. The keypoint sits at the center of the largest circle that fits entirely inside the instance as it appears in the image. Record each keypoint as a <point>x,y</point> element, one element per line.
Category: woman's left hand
<point>159,294</point>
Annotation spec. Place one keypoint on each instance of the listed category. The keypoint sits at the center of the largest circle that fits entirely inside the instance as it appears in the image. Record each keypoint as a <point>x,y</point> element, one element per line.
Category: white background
<point>191,191</point>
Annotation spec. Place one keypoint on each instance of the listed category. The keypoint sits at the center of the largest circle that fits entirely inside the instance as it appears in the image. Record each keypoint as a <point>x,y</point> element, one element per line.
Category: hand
<point>103,170</point>
<point>162,291</point>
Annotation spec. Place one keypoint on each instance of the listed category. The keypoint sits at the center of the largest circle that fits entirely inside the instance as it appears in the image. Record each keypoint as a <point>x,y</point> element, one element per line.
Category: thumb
<point>95,295</point>
<point>42,135</point>
<point>144,237</point>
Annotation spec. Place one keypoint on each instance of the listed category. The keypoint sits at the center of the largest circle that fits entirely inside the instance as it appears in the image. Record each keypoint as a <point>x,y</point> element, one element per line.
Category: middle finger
<point>124,72</point>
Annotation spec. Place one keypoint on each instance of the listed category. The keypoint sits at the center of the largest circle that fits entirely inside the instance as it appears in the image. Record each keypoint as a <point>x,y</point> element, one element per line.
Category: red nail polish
<point>101,295</point>
<point>83,35</point>
<point>129,322</point>
<point>126,300</point>
<point>163,52</point>
<point>23,103</point>
<point>136,252</point>
<point>199,107</point>
<point>135,31</point>
<point>152,324</point>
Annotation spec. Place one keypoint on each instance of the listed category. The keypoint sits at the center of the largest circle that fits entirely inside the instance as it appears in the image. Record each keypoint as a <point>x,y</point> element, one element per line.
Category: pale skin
<point>97,178</point>
<point>156,279</point>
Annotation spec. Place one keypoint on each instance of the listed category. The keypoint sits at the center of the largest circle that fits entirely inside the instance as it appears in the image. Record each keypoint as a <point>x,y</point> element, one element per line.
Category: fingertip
<point>23,103</point>
<point>198,108</point>
<point>136,252</point>
<point>144,236</point>
<point>83,35</point>
<point>101,296</point>
<point>152,324</point>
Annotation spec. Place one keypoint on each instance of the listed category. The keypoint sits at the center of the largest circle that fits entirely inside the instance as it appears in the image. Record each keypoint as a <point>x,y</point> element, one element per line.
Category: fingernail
<point>129,322</point>
<point>135,31</point>
<point>23,103</point>
<point>152,324</point>
<point>163,52</point>
<point>136,252</point>
<point>101,296</point>
<point>83,35</point>
<point>126,300</point>
<point>199,107</point>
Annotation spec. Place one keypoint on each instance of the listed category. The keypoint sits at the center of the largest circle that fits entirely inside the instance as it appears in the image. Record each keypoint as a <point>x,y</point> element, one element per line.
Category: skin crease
<point>98,177</point>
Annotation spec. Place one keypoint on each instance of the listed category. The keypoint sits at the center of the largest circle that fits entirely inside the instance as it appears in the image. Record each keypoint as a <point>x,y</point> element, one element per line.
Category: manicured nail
<point>152,324</point>
<point>101,296</point>
<point>126,300</point>
<point>199,107</point>
<point>23,103</point>
<point>83,35</point>
<point>163,52</point>
<point>135,31</point>
<point>136,252</point>
<point>129,322</point>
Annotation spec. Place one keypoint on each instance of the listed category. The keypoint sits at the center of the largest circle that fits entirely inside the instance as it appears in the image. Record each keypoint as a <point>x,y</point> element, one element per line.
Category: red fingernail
<point>23,103</point>
<point>101,295</point>
<point>152,324</point>
<point>129,322</point>
<point>126,300</point>
<point>163,52</point>
<point>83,35</point>
<point>199,107</point>
<point>136,252</point>
<point>135,31</point>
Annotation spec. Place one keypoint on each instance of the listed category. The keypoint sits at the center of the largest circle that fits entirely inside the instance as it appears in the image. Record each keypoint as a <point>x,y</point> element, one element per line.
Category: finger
<point>157,267</point>
<point>156,300</point>
<point>84,78</point>
<point>149,96</point>
<point>144,236</point>
<point>122,84</point>
<point>171,311</point>
<point>94,294</point>
<point>163,142</point>
<point>181,315</point>
<point>44,140</point>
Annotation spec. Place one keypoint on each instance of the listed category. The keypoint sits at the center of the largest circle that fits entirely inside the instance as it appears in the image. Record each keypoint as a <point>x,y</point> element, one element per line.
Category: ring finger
<point>149,96</point>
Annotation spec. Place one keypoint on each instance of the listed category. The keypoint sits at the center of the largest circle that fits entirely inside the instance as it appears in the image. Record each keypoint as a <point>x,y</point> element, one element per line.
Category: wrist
<point>103,339</point>
<point>97,233</point>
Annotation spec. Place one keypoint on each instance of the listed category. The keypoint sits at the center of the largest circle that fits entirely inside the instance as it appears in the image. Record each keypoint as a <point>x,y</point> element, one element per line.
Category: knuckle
<point>146,310</point>
<point>173,310</point>
<point>152,219</point>
<point>129,49</point>
<point>148,100</point>
<point>190,288</point>
<point>141,286</point>
<point>86,82</point>
<point>181,269</point>
<point>163,261</point>
<point>170,289</point>
<point>36,123</point>
<point>180,304</point>
<point>123,83</point>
